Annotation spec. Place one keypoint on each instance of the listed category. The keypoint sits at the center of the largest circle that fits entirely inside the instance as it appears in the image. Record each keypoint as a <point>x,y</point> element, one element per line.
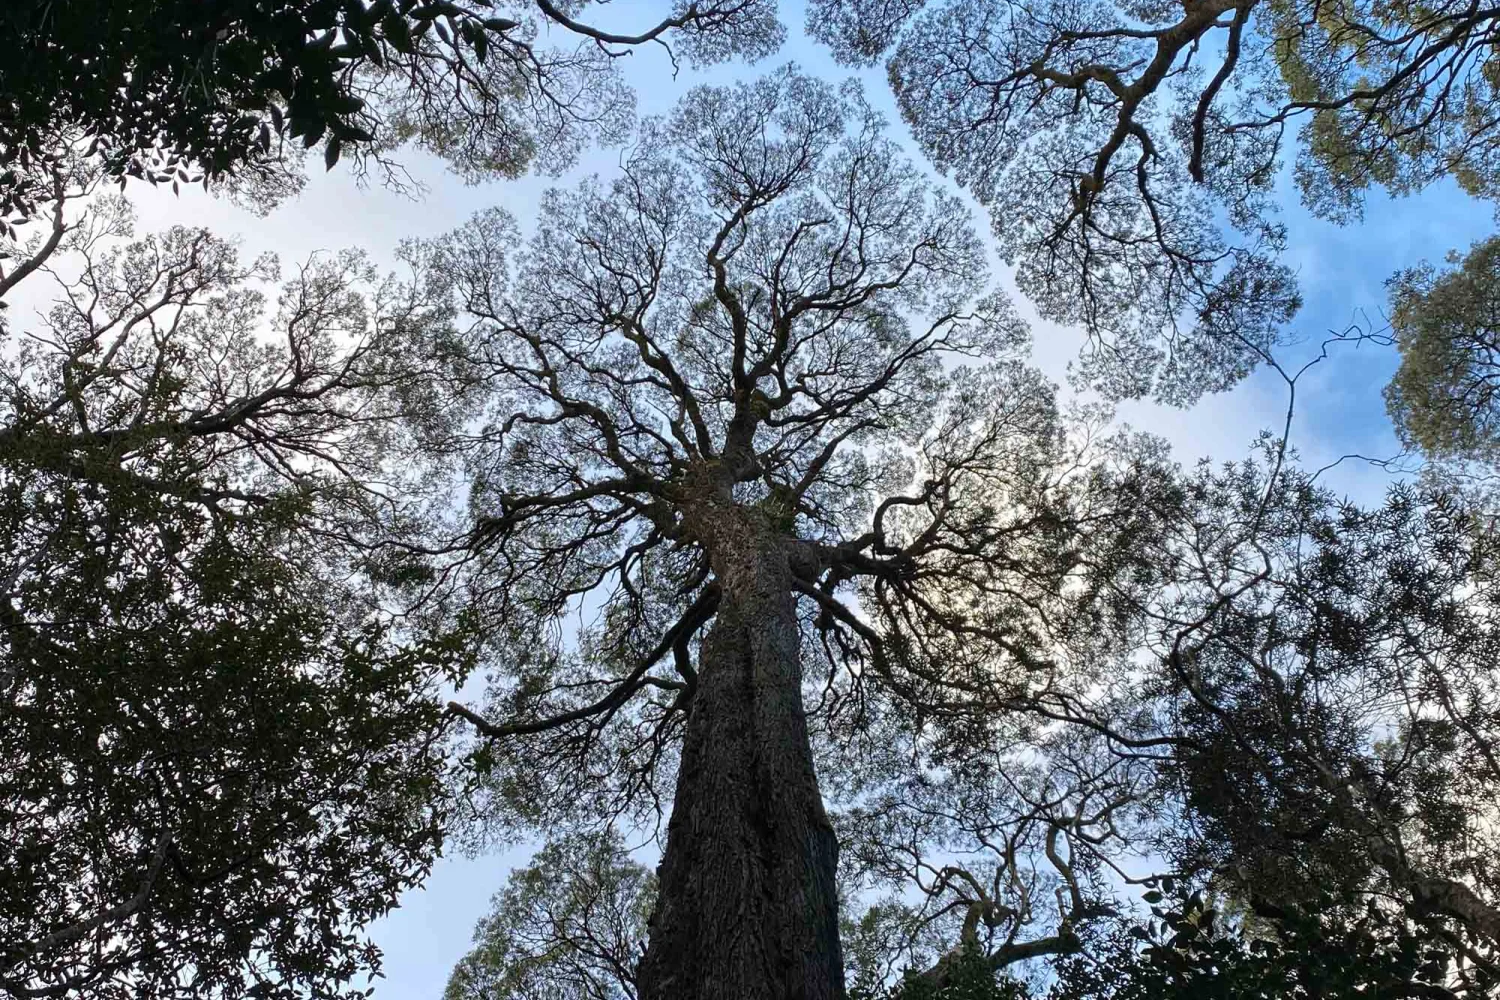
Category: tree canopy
<point>1321,723</point>
<point>1442,398</point>
<point>1128,151</point>
<point>177,90</point>
<point>570,923</point>
<point>217,764</point>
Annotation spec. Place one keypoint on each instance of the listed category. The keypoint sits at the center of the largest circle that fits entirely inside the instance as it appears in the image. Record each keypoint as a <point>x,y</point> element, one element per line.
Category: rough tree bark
<point>747,906</point>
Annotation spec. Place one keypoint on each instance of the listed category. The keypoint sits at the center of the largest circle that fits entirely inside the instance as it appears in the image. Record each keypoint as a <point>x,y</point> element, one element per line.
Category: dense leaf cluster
<point>1185,950</point>
<point>217,763</point>
<point>178,90</point>
<point>1445,323</point>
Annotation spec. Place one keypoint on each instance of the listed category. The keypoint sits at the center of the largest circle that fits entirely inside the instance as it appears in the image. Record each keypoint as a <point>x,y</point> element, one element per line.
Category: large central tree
<point>734,481</point>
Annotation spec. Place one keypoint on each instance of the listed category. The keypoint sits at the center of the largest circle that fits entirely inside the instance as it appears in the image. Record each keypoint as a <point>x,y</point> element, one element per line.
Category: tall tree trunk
<point>747,908</point>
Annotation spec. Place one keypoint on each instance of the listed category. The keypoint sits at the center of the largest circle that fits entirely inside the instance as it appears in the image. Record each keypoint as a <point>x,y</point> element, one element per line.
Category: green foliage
<point>1445,397</point>
<point>966,974</point>
<point>217,762</point>
<point>1131,177</point>
<point>176,90</point>
<point>189,717</point>
<point>173,85</point>
<point>1186,952</point>
<point>1357,752</point>
<point>571,924</point>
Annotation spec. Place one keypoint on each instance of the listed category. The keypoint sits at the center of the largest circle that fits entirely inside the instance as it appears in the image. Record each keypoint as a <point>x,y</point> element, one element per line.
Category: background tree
<point>1002,850</point>
<point>713,412</point>
<point>174,90</point>
<point>1442,399</point>
<point>1313,756</point>
<point>1383,727</point>
<point>217,761</point>
<point>1322,717</point>
<point>572,923</point>
<point>1113,141</point>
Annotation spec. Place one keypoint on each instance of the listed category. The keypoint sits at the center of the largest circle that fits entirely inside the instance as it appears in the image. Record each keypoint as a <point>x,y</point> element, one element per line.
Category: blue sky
<point>1342,271</point>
